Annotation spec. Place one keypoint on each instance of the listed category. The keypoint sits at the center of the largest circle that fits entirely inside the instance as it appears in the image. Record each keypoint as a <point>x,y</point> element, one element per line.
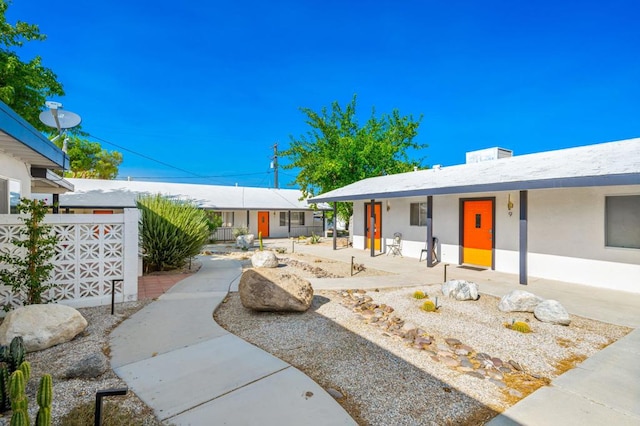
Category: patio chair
<point>395,247</point>
<point>434,251</point>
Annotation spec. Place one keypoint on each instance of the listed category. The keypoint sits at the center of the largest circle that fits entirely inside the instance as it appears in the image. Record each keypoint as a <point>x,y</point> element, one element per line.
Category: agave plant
<point>171,231</point>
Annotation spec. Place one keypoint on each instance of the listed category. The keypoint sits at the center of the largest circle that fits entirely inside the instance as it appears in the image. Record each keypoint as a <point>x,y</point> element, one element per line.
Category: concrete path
<point>604,389</point>
<point>191,371</point>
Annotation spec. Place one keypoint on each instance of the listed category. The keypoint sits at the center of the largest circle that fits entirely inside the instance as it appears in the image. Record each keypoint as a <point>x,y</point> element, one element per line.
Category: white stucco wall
<point>11,168</point>
<point>566,238</point>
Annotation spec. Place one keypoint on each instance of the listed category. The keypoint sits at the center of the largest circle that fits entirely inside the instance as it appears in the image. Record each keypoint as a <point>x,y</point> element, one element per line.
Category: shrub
<point>315,239</point>
<point>171,231</point>
<point>429,306</point>
<point>240,230</point>
<point>29,269</point>
<point>520,326</point>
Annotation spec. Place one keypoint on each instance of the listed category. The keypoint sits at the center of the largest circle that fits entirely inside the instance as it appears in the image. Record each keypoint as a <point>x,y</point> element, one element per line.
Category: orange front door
<point>263,224</point>
<point>477,243</point>
<point>377,211</point>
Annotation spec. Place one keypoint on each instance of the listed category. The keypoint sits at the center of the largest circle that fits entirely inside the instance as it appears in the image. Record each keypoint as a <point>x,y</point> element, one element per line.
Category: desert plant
<point>315,239</point>
<point>28,270</point>
<point>520,326</point>
<point>419,294</point>
<point>240,230</point>
<point>428,306</point>
<point>19,402</point>
<point>11,358</point>
<point>171,231</point>
<point>44,399</point>
<point>260,240</point>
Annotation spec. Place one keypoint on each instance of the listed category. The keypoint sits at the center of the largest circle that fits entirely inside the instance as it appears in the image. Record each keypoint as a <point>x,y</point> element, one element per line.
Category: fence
<point>223,233</point>
<point>307,231</point>
<point>92,251</point>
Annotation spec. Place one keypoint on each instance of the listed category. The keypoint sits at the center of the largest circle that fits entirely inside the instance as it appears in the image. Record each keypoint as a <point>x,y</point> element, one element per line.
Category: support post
<point>372,228</point>
<point>56,203</point>
<point>524,207</point>
<point>247,219</point>
<point>430,231</point>
<point>289,223</point>
<point>335,225</point>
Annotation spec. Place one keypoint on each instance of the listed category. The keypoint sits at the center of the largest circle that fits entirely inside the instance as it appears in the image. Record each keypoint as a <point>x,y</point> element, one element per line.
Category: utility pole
<point>275,165</point>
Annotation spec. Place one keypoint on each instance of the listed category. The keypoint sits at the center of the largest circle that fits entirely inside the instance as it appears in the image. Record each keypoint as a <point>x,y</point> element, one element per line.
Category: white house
<point>571,215</point>
<point>277,213</point>
<point>27,161</point>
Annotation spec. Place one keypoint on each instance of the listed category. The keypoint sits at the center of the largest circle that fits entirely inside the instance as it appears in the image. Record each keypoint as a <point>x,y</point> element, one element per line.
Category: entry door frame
<point>377,206</point>
<point>493,227</point>
<point>260,227</point>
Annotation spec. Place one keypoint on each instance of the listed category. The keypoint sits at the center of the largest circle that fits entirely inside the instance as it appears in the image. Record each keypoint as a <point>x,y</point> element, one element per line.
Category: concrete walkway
<point>191,371</point>
<point>604,389</point>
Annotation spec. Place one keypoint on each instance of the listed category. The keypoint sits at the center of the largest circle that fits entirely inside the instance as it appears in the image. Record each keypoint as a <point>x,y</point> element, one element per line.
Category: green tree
<point>24,86</point>
<point>337,150</point>
<point>90,160</point>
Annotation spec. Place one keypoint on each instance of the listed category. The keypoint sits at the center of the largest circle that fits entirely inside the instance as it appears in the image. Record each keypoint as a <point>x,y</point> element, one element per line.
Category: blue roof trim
<point>18,128</point>
<point>570,182</point>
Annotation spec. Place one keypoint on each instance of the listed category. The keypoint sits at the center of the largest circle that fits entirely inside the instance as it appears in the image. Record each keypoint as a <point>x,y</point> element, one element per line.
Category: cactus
<point>19,401</point>
<point>44,417</point>
<point>419,294</point>
<point>45,392</point>
<point>260,240</point>
<point>429,306</point>
<point>25,367</point>
<point>4,387</point>
<point>20,418</point>
<point>520,326</point>
<point>16,352</point>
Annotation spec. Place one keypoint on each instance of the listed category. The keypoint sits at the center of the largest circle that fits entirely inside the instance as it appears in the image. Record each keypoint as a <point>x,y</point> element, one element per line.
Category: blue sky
<point>208,87</point>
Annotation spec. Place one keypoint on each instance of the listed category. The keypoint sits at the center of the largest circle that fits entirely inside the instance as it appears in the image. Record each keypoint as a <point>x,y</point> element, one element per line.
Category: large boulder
<point>264,259</point>
<point>552,311</point>
<point>460,290</point>
<point>267,290</point>
<point>245,241</point>
<point>519,301</point>
<point>42,326</point>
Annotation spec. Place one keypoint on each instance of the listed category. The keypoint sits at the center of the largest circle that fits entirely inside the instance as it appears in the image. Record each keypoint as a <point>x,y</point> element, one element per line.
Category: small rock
<point>504,369</point>
<point>497,362</point>
<point>475,374</point>
<point>515,393</point>
<point>465,362</point>
<point>498,383</point>
<point>453,342</point>
<point>335,393</point>
<point>461,351</point>
<point>463,369</point>
<point>482,356</point>
<point>515,365</point>
<point>449,362</point>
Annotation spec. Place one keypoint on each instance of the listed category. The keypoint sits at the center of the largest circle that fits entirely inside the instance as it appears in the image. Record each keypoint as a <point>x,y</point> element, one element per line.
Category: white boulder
<point>552,311</point>
<point>264,259</point>
<point>42,326</point>
<point>460,290</point>
<point>245,241</point>
<point>519,301</point>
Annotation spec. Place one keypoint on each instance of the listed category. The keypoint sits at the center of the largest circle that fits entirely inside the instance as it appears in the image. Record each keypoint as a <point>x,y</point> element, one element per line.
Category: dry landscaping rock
<point>267,290</point>
<point>264,259</point>
<point>519,301</point>
<point>460,290</point>
<point>553,312</point>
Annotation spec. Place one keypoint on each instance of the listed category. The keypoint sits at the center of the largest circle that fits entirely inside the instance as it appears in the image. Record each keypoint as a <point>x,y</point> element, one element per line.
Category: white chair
<point>395,247</point>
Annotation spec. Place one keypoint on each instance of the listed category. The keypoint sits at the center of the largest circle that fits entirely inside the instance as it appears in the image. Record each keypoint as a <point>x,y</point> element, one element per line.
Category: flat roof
<point>97,193</point>
<point>605,164</point>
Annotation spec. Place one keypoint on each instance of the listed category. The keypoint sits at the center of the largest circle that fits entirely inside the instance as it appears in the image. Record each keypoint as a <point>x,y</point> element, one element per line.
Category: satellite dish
<point>60,119</point>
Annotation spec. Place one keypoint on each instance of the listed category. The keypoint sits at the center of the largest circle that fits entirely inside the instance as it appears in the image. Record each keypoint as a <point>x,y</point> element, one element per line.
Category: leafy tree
<point>90,160</point>
<point>171,231</point>
<point>24,86</point>
<point>337,150</point>
<point>29,270</point>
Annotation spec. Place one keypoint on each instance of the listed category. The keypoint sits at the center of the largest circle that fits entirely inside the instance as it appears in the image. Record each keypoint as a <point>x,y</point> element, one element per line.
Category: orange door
<point>263,224</point>
<point>477,245</point>
<point>377,211</point>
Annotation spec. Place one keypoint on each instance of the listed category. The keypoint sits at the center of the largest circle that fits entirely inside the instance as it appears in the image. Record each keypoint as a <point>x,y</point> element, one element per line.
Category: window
<point>297,218</point>
<point>283,218</point>
<point>418,214</point>
<point>622,221</point>
<point>14,195</point>
<point>227,218</point>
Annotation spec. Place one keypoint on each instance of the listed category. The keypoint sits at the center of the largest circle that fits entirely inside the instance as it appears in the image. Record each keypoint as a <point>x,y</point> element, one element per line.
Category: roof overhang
<point>24,142</point>
<point>44,181</point>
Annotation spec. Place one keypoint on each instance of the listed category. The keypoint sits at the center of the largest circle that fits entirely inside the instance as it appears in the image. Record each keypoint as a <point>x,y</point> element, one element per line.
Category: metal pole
<point>352,257</point>
<point>275,165</point>
<point>445,272</point>
<point>113,294</point>
<point>97,420</point>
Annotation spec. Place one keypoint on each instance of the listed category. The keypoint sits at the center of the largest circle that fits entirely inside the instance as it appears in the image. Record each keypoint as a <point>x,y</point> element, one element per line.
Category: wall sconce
<point>388,206</point>
<point>510,205</point>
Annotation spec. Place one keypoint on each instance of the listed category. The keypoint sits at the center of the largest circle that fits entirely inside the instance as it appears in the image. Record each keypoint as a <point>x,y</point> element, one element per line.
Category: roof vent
<point>488,155</point>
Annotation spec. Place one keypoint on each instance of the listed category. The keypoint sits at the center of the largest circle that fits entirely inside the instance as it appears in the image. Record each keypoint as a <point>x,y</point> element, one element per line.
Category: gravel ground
<point>68,394</point>
<point>385,380</point>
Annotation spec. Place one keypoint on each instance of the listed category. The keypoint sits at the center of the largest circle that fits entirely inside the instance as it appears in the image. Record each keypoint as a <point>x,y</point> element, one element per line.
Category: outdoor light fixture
<point>510,205</point>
